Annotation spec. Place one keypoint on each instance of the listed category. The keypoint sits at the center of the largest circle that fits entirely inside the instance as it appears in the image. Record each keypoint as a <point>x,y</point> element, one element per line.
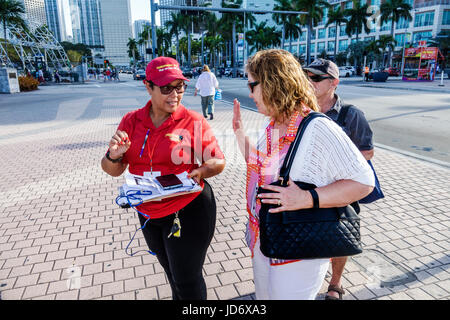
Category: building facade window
<point>386,26</point>
<point>331,46</point>
<point>320,47</point>
<point>342,31</point>
<point>424,19</point>
<point>343,45</point>
<point>424,35</point>
<point>331,32</point>
<point>402,23</point>
<point>322,33</point>
<point>446,17</point>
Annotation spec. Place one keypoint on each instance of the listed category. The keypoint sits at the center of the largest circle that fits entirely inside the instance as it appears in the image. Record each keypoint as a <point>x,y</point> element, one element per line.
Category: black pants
<point>182,258</point>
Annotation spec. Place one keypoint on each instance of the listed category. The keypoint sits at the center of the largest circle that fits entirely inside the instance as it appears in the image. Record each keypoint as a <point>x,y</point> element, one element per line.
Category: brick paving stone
<point>67,218</point>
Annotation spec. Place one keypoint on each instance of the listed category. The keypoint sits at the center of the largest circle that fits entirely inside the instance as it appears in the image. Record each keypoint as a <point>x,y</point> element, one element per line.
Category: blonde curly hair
<point>284,86</point>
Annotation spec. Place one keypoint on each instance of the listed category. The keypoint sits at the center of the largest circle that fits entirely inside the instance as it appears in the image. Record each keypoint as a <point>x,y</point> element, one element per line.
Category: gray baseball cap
<point>322,66</point>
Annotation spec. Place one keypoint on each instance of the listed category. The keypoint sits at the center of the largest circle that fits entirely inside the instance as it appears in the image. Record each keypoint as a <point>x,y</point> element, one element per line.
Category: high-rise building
<point>138,27</point>
<point>116,24</point>
<point>86,22</point>
<point>55,18</point>
<point>165,13</point>
<point>35,11</point>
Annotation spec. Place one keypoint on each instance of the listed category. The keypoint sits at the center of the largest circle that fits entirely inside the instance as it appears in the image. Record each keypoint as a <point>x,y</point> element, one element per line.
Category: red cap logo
<point>163,70</point>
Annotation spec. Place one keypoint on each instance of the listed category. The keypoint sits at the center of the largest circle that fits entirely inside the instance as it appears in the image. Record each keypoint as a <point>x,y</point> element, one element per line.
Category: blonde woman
<point>206,85</point>
<point>326,157</point>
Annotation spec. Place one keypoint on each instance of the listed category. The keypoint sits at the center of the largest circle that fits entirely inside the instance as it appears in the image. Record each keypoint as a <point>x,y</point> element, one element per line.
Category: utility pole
<point>153,8</point>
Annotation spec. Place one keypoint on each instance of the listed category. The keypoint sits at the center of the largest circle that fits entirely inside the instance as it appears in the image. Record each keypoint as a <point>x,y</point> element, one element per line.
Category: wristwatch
<point>112,160</point>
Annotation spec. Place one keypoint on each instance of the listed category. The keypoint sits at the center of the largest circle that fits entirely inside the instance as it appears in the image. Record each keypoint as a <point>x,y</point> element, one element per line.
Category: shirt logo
<point>174,137</point>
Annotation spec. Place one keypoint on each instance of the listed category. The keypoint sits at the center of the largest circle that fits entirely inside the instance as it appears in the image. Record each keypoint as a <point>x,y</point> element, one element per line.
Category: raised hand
<point>119,144</point>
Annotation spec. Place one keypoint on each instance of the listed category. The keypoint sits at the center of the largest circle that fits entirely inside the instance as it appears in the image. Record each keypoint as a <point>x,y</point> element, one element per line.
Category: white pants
<point>299,280</point>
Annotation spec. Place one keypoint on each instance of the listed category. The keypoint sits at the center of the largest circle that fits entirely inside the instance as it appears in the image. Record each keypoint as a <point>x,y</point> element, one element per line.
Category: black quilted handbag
<point>307,233</point>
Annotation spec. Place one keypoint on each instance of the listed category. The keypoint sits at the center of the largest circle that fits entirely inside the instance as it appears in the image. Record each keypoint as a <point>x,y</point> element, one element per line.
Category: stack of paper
<point>138,189</point>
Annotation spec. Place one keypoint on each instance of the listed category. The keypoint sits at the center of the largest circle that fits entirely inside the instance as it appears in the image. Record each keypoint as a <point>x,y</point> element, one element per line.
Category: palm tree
<point>384,42</point>
<point>232,19</point>
<point>186,26</point>
<point>357,21</point>
<point>132,49</point>
<point>279,18</point>
<point>336,17</point>
<point>145,36</point>
<point>174,27</point>
<point>163,41</point>
<point>263,37</point>
<point>314,16</point>
<point>394,10</point>
<point>11,12</point>
<point>293,29</point>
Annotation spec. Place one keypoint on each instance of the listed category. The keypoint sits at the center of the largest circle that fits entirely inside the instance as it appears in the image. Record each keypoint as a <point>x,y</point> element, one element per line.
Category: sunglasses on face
<point>166,90</point>
<point>252,85</point>
<point>317,78</point>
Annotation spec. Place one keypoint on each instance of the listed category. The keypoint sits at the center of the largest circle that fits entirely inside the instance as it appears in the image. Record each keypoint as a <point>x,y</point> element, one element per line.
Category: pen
<point>143,145</point>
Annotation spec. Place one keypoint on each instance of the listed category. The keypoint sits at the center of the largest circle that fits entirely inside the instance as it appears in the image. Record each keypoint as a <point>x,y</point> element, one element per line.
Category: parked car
<point>139,74</point>
<point>187,72</point>
<point>352,69</point>
<point>378,75</point>
<point>395,72</point>
<point>344,72</point>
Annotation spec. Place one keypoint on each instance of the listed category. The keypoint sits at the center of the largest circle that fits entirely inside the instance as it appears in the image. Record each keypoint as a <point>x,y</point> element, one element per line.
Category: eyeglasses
<point>317,78</point>
<point>252,85</point>
<point>166,90</point>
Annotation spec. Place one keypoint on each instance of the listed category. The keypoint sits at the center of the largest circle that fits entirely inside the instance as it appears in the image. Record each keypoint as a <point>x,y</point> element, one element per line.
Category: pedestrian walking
<point>366,73</point>
<point>159,139</point>
<point>324,76</point>
<point>57,78</point>
<point>326,157</point>
<point>206,85</point>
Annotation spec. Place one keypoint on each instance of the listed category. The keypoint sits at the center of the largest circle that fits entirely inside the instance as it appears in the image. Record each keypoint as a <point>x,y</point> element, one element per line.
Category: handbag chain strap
<point>289,159</point>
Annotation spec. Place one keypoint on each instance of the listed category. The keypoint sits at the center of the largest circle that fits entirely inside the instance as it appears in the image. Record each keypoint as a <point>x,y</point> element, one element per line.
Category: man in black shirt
<point>324,76</point>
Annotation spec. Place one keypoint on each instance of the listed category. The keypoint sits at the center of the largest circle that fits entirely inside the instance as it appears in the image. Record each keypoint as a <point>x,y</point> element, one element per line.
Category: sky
<point>140,9</point>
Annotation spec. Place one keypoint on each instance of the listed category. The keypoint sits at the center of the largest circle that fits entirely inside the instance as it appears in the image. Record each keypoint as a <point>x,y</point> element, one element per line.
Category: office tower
<point>138,27</point>
<point>86,22</point>
<point>35,11</point>
<point>55,18</point>
<point>165,13</point>
<point>116,24</point>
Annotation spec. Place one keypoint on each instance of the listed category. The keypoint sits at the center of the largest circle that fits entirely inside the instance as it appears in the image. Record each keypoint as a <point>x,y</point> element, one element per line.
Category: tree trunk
<point>336,43</point>
<point>234,49</point>
<point>390,50</point>
<point>308,44</point>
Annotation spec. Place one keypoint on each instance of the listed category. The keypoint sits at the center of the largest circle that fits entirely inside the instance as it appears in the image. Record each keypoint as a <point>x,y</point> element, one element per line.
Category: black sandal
<point>337,289</point>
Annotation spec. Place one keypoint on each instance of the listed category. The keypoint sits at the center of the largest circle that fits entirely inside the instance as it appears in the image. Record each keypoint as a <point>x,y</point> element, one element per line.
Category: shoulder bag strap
<point>289,159</point>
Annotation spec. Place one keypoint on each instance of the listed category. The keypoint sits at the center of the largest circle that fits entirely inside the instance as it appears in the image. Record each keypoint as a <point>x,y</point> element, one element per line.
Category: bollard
<point>442,79</point>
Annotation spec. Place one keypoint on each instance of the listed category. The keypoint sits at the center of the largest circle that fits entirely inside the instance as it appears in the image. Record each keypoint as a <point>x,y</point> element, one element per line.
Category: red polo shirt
<point>170,148</point>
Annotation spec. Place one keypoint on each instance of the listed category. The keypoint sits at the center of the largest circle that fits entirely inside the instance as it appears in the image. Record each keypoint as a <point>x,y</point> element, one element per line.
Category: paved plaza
<point>63,237</point>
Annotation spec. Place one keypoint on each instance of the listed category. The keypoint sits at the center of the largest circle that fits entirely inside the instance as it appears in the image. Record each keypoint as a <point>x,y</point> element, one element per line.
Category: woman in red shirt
<point>163,138</point>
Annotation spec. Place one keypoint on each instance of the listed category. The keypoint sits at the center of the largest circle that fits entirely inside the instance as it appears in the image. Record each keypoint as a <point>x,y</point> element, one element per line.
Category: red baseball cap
<point>163,70</point>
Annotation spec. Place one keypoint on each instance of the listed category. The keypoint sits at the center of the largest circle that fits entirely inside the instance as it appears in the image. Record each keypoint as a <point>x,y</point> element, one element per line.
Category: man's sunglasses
<point>317,78</point>
<point>252,85</point>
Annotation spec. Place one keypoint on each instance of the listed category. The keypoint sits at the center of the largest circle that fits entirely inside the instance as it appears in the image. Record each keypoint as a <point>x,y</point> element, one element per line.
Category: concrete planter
<point>9,80</point>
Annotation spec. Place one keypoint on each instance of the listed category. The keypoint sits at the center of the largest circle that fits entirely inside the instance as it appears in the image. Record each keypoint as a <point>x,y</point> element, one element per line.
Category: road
<point>412,121</point>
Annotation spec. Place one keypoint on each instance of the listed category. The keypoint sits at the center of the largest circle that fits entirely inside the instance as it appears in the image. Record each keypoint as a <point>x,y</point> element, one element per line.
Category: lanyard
<point>152,150</point>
